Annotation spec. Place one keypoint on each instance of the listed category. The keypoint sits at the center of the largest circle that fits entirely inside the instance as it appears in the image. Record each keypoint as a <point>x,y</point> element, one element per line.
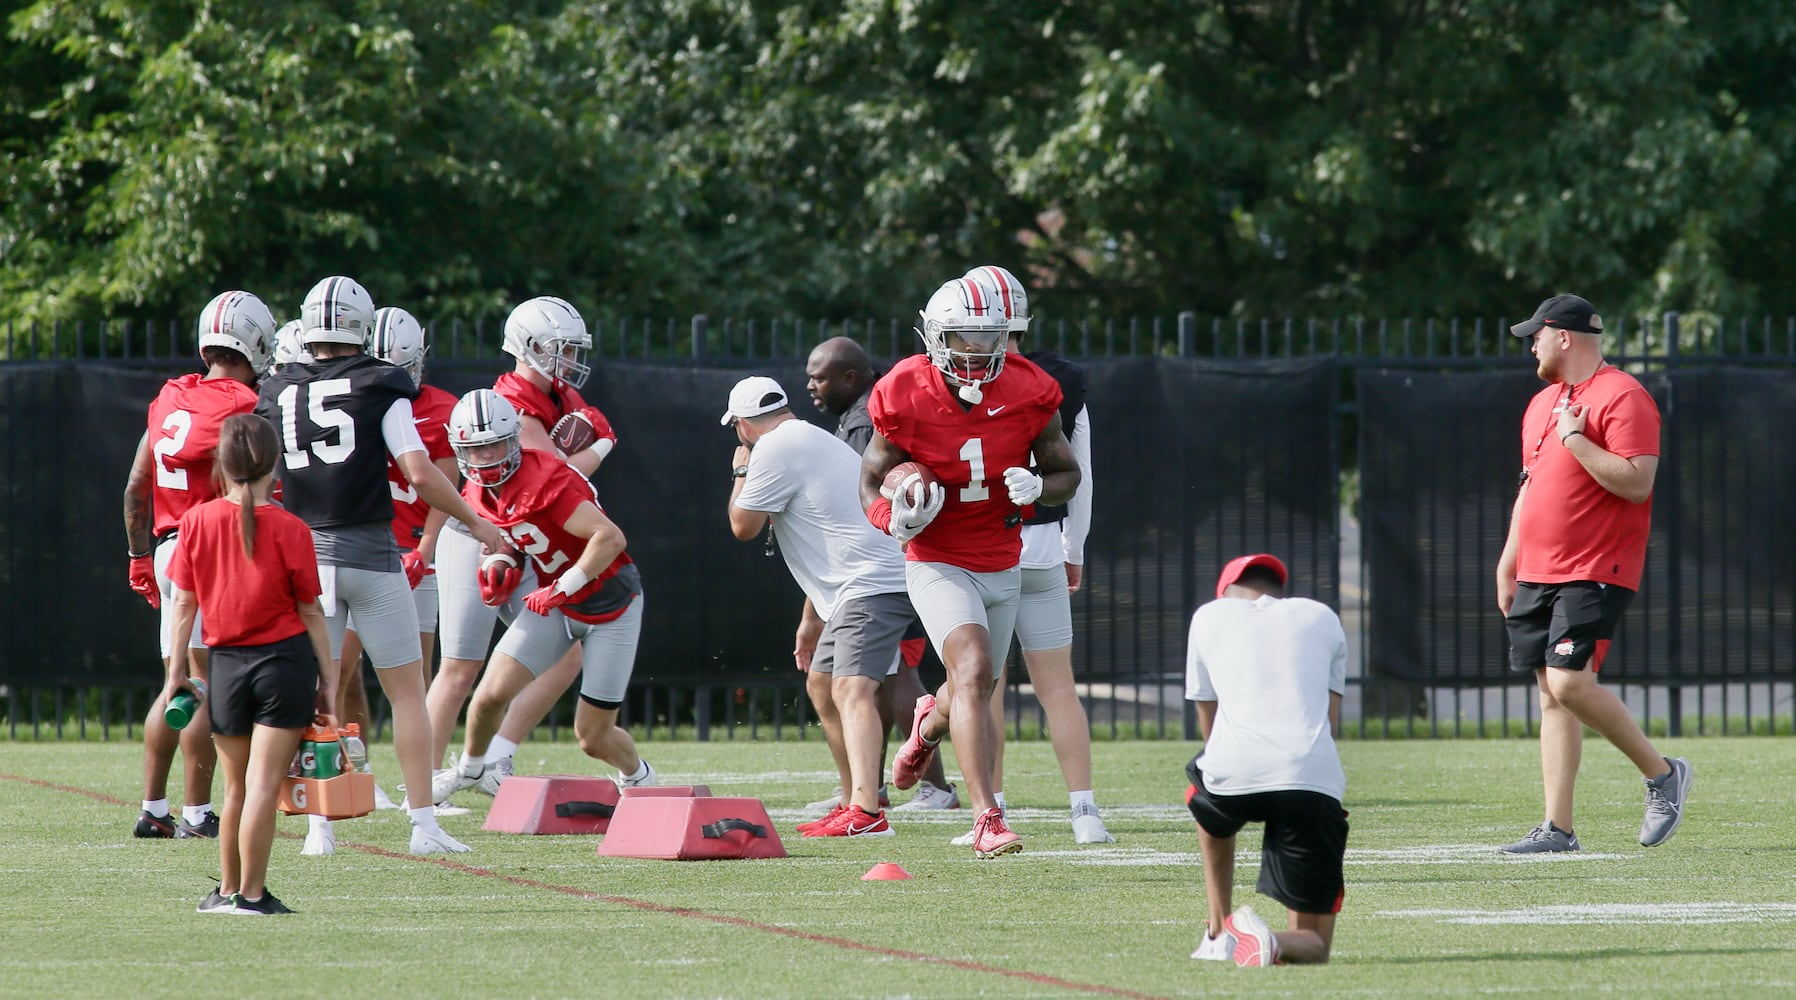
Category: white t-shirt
<point>1047,546</point>
<point>1269,665</point>
<point>810,481</point>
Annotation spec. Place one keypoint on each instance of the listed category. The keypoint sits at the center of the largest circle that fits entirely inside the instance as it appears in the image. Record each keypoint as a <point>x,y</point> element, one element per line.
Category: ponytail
<point>247,449</point>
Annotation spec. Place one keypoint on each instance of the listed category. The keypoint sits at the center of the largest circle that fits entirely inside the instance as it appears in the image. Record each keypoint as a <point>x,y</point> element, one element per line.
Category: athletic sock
<point>473,764</point>
<point>998,797</point>
<point>500,748</point>
<point>156,807</point>
<point>1082,798</point>
<point>424,816</point>
<point>642,770</point>
<point>195,815</point>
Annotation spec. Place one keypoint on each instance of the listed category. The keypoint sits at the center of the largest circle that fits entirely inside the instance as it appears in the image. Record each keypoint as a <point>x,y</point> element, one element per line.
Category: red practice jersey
<point>532,509</point>
<point>431,412</point>
<point>968,449</point>
<point>546,407</point>
<point>245,603</point>
<point>184,423</point>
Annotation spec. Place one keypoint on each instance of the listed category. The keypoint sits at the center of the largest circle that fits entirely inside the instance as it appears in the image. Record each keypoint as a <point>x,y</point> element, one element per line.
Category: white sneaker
<point>321,840</point>
<point>822,805</point>
<point>648,777</point>
<point>931,797</point>
<point>447,782</point>
<point>965,839</point>
<point>451,809</point>
<point>381,800</point>
<point>496,773</point>
<point>435,840</point>
<point>1220,948</point>
<point>1088,826</point>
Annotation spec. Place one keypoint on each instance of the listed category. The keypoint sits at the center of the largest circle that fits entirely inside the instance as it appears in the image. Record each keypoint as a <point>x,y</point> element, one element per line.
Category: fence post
<point>1674,641</point>
<point>701,325</point>
<point>701,711</point>
<point>1187,338</point>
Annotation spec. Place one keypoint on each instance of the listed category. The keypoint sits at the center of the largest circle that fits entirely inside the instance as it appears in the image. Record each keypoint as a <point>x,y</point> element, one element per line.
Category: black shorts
<point>1301,849</point>
<point>1565,625</point>
<point>274,685</point>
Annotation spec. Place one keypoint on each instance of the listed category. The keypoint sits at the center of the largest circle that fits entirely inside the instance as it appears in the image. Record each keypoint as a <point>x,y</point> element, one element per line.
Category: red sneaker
<point>914,756</point>
<point>856,822</point>
<point>992,838</point>
<point>814,827</point>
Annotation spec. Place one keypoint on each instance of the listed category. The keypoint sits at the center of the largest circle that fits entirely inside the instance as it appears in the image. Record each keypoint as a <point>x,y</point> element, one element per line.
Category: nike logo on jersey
<point>992,411</point>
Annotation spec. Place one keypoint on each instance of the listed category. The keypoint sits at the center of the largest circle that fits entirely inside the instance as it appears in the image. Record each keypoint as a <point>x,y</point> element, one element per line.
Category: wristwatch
<point>739,472</point>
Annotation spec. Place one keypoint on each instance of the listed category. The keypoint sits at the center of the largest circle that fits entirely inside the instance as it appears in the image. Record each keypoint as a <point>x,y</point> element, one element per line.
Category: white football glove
<point>908,521</point>
<point>1025,486</point>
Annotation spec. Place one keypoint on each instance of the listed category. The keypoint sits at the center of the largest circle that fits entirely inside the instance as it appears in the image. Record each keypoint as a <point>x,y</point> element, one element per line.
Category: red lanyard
<point>1565,400</point>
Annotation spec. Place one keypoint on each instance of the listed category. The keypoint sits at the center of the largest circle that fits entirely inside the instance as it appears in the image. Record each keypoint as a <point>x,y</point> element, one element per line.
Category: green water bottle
<point>320,746</point>
<point>182,707</point>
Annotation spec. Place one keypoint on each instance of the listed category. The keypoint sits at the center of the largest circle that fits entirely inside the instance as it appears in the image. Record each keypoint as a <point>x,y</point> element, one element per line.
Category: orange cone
<point>885,871</point>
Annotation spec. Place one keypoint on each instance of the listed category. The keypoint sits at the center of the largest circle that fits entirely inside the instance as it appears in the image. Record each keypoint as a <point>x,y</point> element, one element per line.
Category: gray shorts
<point>165,553</point>
<point>424,598</point>
<point>947,597</point>
<point>386,619</point>
<point>464,622</point>
<point>862,637</point>
<point>607,651</point>
<point>1044,617</point>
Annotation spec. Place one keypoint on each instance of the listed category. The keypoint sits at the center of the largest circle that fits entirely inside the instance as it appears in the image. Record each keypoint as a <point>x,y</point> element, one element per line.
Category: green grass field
<point>1432,910</point>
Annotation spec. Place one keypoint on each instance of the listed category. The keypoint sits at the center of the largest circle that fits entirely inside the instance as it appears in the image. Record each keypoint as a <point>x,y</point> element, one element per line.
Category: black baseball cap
<point>1562,312</point>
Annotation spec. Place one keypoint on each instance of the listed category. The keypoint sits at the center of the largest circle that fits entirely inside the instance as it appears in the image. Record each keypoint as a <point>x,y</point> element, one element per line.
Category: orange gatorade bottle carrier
<point>325,784</point>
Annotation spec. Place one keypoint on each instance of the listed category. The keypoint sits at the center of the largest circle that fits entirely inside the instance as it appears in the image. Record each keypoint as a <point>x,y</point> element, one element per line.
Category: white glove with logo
<point>909,521</point>
<point>1025,486</point>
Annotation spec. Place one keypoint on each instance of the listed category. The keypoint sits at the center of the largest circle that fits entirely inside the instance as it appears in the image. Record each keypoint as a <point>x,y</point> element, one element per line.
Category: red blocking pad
<point>666,791</point>
<point>691,829</point>
<point>553,804</point>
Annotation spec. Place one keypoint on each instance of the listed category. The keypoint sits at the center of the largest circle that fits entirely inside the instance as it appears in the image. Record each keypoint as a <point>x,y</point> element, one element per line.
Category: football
<point>573,434</point>
<point>902,471</point>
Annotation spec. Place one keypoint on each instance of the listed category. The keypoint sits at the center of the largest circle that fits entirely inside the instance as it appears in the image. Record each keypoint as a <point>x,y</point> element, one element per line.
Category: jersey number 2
<point>179,423</point>
<point>533,542</point>
<point>318,394</point>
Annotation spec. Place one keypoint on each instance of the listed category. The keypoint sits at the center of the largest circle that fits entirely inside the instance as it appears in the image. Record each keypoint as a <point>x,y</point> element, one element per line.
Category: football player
<point>589,601</point>
<point>548,340</point>
<point>170,474</point>
<point>964,412</point>
<point>341,417</point>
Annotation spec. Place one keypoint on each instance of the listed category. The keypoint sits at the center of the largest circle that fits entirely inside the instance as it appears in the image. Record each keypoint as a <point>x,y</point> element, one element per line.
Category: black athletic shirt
<point>1072,399</point>
<point>333,467</point>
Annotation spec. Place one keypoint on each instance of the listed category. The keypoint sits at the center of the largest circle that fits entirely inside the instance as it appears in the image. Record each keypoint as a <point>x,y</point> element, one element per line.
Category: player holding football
<point>590,601</point>
<point>549,341</point>
<point>964,411</point>
<point>340,418</point>
<point>171,474</point>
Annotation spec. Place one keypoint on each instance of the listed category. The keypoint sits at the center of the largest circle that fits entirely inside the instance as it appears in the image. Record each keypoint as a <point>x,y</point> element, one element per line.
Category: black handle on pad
<point>714,831</point>
<point>599,809</point>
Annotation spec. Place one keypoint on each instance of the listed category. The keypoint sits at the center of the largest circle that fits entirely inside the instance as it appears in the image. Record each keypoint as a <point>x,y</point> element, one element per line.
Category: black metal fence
<point>1377,456</point>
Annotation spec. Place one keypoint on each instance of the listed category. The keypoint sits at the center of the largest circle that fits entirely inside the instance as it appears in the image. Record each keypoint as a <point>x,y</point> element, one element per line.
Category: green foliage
<point>744,157</point>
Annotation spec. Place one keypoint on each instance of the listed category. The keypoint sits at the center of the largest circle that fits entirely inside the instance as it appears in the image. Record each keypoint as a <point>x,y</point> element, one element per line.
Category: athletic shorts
<point>863,636</point>
<point>424,598</point>
<point>947,597</point>
<point>1565,625</point>
<point>385,617</point>
<point>464,622</point>
<point>1044,617</point>
<point>274,685</point>
<point>165,553</point>
<point>607,650</point>
<point>1301,849</point>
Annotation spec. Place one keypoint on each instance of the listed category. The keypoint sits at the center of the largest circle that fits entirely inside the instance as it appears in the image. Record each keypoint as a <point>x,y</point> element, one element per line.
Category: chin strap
<point>970,393</point>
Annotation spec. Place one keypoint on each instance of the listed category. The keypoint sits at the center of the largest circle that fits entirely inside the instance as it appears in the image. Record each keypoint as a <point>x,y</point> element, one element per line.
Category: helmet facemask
<point>489,471</point>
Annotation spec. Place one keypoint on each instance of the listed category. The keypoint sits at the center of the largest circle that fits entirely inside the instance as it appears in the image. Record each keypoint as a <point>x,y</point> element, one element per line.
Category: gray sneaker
<point>1665,803</point>
<point>1544,839</point>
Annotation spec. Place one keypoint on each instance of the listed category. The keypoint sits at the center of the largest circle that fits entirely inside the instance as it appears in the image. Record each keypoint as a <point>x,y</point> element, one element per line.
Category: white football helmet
<point>483,417</point>
<point>548,334</point>
<point>337,310</point>
<point>398,339</point>
<point>964,332</point>
<point>1012,297</point>
<point>288,348</point>
<point>241,322</point>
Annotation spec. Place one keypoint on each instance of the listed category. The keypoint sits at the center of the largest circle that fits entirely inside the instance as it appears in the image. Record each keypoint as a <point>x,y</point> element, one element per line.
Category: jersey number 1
<point>317,394</point>
<point>973,453</point>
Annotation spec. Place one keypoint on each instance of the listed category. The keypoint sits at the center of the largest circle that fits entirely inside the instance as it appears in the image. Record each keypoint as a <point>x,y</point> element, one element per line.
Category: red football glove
<point>543,600</point>
<point>500,574</point>
<point>414,567</point>
<point>143,580</point>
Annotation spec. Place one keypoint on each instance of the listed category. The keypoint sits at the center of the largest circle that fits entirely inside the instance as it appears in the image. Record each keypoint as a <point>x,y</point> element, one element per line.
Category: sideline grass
<point>1431,909</point>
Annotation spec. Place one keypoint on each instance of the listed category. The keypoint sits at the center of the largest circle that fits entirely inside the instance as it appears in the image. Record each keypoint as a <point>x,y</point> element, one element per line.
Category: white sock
<point>156,807</point>
<point>472,764</point>
<point>642,770</point>
<point>424,816</point>
<point>1082,798</point>
<point>500,748</point>
<point>195,815</point>
<point>315,822</point>
<point>999,798</point>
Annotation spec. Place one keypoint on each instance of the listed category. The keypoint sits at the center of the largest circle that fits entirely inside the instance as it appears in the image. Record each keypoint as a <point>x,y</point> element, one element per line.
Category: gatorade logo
<point>299,796</point>
<point>308,762</point>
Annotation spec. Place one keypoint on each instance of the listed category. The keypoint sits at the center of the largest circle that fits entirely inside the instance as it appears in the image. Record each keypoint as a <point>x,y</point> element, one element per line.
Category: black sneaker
<point>215,902</point>
<point>268,905</point>
<point>155,827</point>
<point>207,828</point>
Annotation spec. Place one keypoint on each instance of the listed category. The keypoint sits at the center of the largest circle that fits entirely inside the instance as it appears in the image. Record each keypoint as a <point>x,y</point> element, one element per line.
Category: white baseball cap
<point>753,396</point>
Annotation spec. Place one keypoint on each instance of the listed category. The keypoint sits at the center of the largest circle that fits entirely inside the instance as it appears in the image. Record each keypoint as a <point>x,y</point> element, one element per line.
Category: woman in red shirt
<point>249,567</point>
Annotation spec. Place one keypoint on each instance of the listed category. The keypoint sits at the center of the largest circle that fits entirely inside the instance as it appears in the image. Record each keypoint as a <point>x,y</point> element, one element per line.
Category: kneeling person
<point>591,592</point>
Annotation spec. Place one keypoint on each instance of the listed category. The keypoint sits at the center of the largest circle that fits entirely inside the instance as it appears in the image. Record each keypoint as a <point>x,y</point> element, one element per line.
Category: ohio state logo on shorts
<point>1565,647</point>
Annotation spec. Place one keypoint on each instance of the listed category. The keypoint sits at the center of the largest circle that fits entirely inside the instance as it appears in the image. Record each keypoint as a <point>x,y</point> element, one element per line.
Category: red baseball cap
<point>1241,564</point>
